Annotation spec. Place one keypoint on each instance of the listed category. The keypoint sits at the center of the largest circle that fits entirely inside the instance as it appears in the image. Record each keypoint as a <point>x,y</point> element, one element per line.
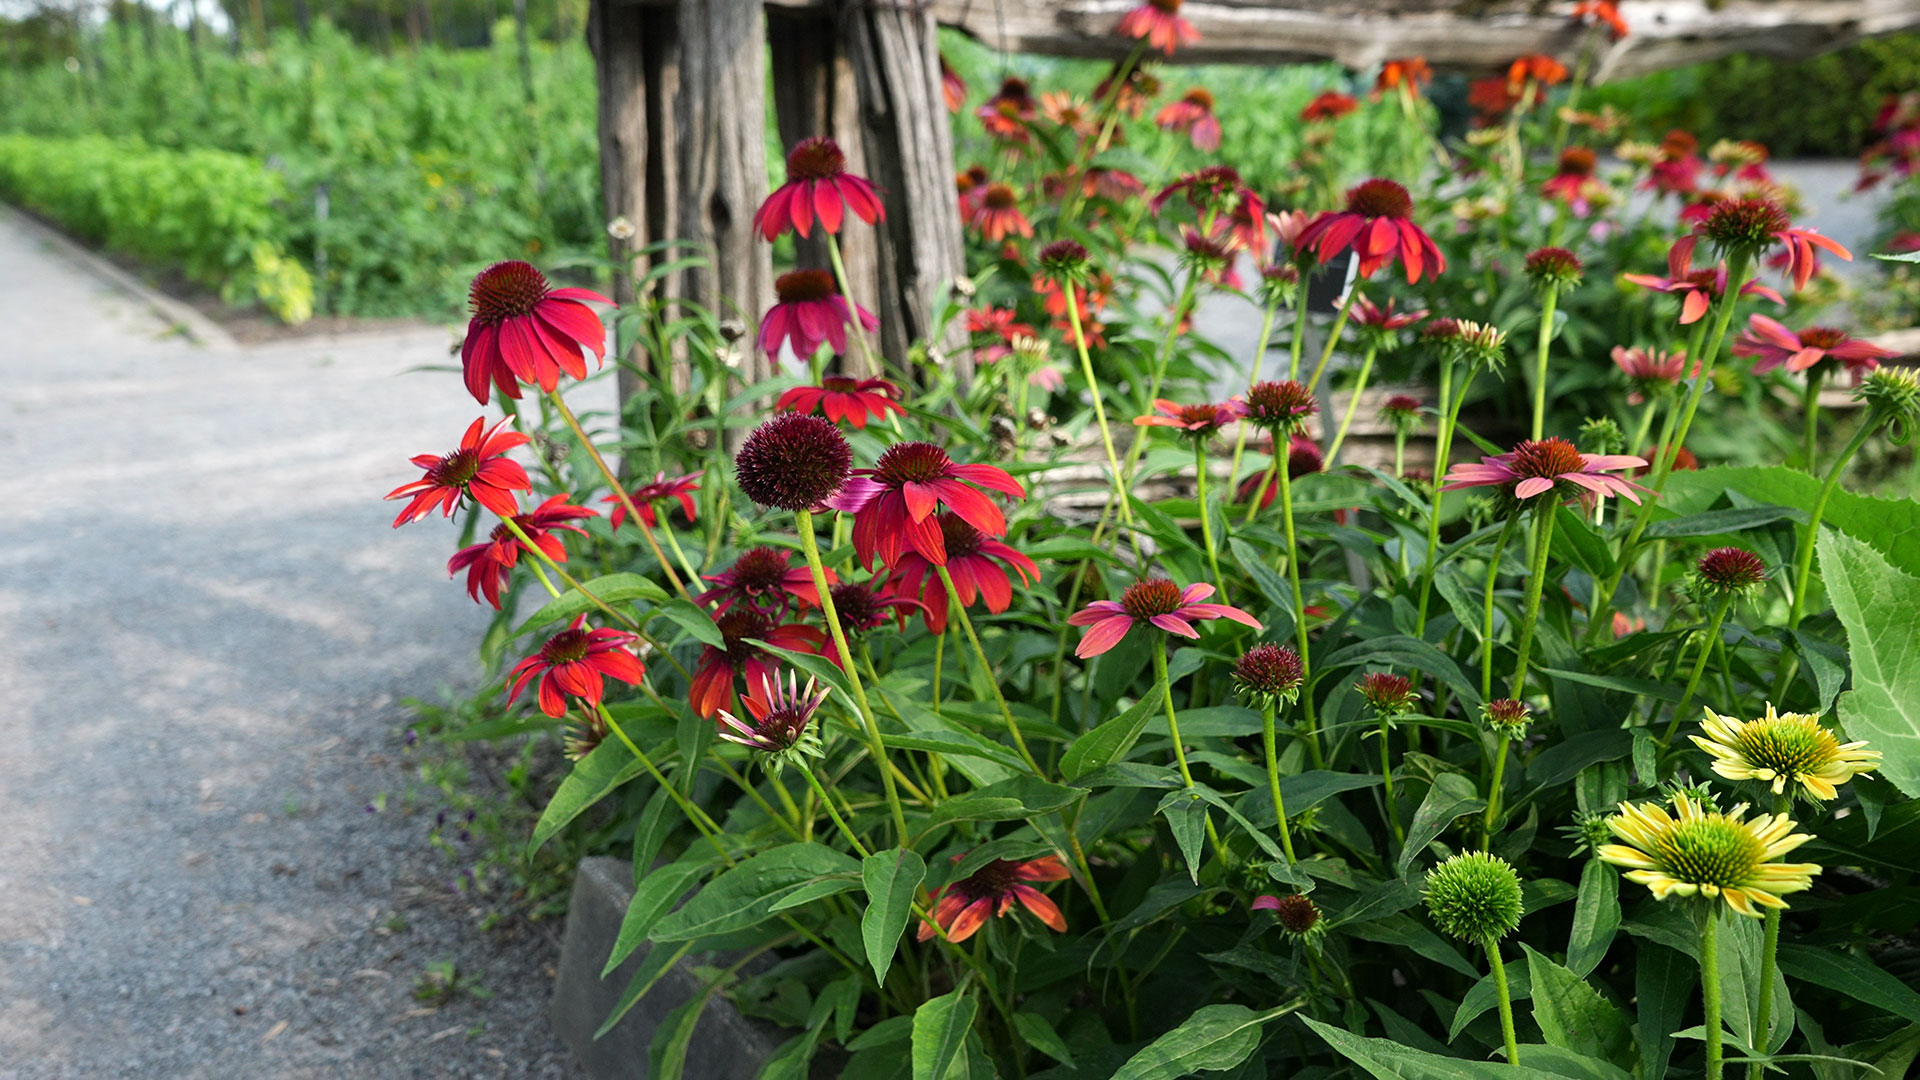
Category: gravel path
<point>205,627</point>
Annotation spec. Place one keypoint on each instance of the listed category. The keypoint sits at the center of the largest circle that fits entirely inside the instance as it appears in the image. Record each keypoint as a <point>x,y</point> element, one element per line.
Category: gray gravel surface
<point>205,627</point>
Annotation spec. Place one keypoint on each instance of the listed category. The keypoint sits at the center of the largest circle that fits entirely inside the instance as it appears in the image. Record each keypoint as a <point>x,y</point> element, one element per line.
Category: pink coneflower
<point>1574,182</point>
<point>1675,169</point>
<point>818,185</point>
<point>1192,116</point>
<point>575,663</point>
<point>477,467</point>
<point>963,907</point>
<point>763,578</point>
<point>1697,289</point>
<point>1289,226</point>
<point>1539,466</point>
<point>809,313</point>
<point>523,330</point>
<point>779,718</point>
<point>1113,185</point>
<point>1651,371</point>
<point>713,679</point>
<point>893,503</point>
<point>978,565</point>
<point>1328,106</point>
<point>1377,225</point>
<point>998,215</point>
<point>839,397</point>
<point>953,88</point>
<point>1384,319</point>
<point>1006,114</point>
<point>1156,602</point>
<point>1194,421</point>
<point>1757,224</point>
<point>1212,188</point>
<point>679,488</point>
<point>1411,72</point>
<point>1304,457</point>
<point>488,563</point>
<point>1773,345</point>
<point>1159,22</point>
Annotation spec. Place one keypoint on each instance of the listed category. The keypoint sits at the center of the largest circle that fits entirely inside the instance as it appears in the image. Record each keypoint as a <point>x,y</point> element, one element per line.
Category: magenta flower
<point>680,489</point>
<point>1652,371</point>
<point>1773,345</point>
<point>1378,225</point>
<point>1197,421</point>
<point>1158,602</point>
<point>818,185</point>
<point>810,313</point>
<point>1697,289</point>
<point>893,503</point>
<point>1538,466</point>
<point>1369,314</point>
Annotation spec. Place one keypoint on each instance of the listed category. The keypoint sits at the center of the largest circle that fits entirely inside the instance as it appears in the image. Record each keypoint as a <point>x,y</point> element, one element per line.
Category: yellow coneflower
<point>1783,749</point>
<point>1710,854</point>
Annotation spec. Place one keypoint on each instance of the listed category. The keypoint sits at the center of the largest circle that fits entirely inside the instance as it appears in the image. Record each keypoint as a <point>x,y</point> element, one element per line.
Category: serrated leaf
<point>744,895</point>
<point>1388,1060</point>
<point>610,588</point>
<point>1451,796</point>
<point>940,1027</point>
<point>1040,1035</point>
<point>1596,917</point>
<point>891,878</point>
<point>1879,606</point>
<point>1107,743</point>
<point>608,766</point>
<point>695,621</point>
<point>1215,1037</point>
<point>1186,814</point>
<point>1573,1015</point>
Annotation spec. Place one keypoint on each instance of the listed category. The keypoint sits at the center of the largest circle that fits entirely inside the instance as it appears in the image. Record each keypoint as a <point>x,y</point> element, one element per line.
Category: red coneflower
<point>963,907</point>
<point>477,468</point>
<point>1247,222</point>
<point>1283,406</point>
<point>1157,602</point>
<point>810,312</point>
<point>971,184</point>
<point>1000,323</point>
<point>1675,169</point>
<point>575,663</point>
<point>780,717</point>
<point>1269,674</point>
<point>953,88</point>
<point>679,488</point>
<point>1384,319</point>
<point>1159,22</point>
<point>1539,466</point>
<point>1492,98</point>
<point>1602,11</point>
<point>1773,345</point>
<point>863,606</point>
<point>1652,371</point>
<point>1194,421</point>
<point>1304,457</point>
<point>488,563</point>
<point>839,398</point>
<point>1411,72</point>
<point>974,561</point>
<point>1684,460</point>
<point>1574,182</point>
<point>713,678</point>
<point>1328,106</point>
<point>1536,68</point>
<point>1377,224</point>
<point>818,185</point>
<point>1729,571</point>
<point>893,503</point>
<point>998,214</point>
<point>523,330</point>
<point>1210,256</point>
<point>1005,115</point>
<point>1113,185</point>
<point>1697,289</point>
<point>1755,225</point>
<point>1387,693</point>
<point>763,578</point>
<point>1192,115</point>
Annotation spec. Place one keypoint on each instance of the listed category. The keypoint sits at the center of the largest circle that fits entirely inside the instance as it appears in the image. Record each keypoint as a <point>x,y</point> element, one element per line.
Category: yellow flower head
<point>1710,854</point>
<point>1783,749</point>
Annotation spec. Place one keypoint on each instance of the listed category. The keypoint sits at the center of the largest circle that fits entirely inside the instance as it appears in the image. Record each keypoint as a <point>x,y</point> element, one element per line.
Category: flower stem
<point>1769,960</point>
<point>1299,620</point>
<point>1536,583</point>
<point>1353,402</point>
<point>803,519</point>
<point>1259,356</point>
<point>1707,644</point>
<point>1442,446</point>
<point>527,544</point>
<point>853,311</point>
<point>1710,988</point>
<point>674,543</point>
<point>1333,335</point>
<point>1299,328</point>
<point>1206,517</point>
<point>697,817</point>
<point>1273,781</point>
<point>1803,559</point>
<point>1494,788</point>
<point>833,812</point>
<point>1173,727</point>
<point>1386,777</point>
<point>1640,430</point>
<point>1486,617</point>
<point>1506,1002</point>
<point>619,489</point>
<point>1810,407</point>
<point>1549,298</point>
<point>1100,413</point>
<point>939,654</point>
<point>959,611</point>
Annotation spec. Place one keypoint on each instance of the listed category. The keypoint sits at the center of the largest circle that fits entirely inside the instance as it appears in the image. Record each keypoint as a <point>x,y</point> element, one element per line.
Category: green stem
<point>1273,781</point>
<point>958,610</point>
<point>1536,584</point>
<point>1769,960</point>
<point>1710,987</point>
<point>1639,438</point>
<point>1810,407</point>
<point>1386,777</point>
<point>1442,448</point>
<point>1260,490</point>
<point>853,311</point>
<point>540,557</point>
<point>674,543</point>
<point>1206,517</point>
<point>697,817</point>
<point>1506,1002</point>
<point>1549,298</point>
<point>1707,644</point>
<point>1353,402</point>
<point>939,654</point>
<point>1494,787</point>
<point>1486,617</point>
<point>1299,327</point>
<point>1259,356</point>
<point>1099,413</point>
<point>803,519</point>
<point>1803,559</point>
<point>1188,290</point>
<point>1333,335</point>
<point>1173,727</point>
<point>1299,620</point>
<point>619,490</point>
<point>833,812</point>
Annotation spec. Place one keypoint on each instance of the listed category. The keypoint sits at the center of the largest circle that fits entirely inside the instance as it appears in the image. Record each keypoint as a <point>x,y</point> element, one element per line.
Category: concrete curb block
<point>181,316</point>
<point>725,1044</point>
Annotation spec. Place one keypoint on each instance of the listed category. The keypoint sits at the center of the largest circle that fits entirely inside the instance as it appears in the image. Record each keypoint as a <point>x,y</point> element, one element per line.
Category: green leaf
<point>818,889</point>
<point>1485,995</point>
<point>611,588</point>
<point>1852,976</point>
<point>1388,1060</point>
<point>653,967</point>
<point>1596,917</point>
<point>1889,526</point>
<point>955,742</point>
<point>1569,1065</point>
<point>1575,541</point>
<point>607,767</point>
<point>1039,1034</point>
<point>1407,653</point>
<point>818,666</point>
<point>1186,814</point>
<point>695,621</point>
<point>1904,256</point>
<point>891,877</point>
<point>1215,1037</point>
<point>667,1055</point>
<point>1879,606</point>
<point>1409,933</point>
<point>1107,743</point>
<point>1451,796</point>
<point>1665,982</point>
<point>940,1027</point>
<point>652,898</point>
<point>744,895</point>
<point>1271,585</point>
<point>1572,1015</point>
<point>1012,799</point>
<point>1717,522</point>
